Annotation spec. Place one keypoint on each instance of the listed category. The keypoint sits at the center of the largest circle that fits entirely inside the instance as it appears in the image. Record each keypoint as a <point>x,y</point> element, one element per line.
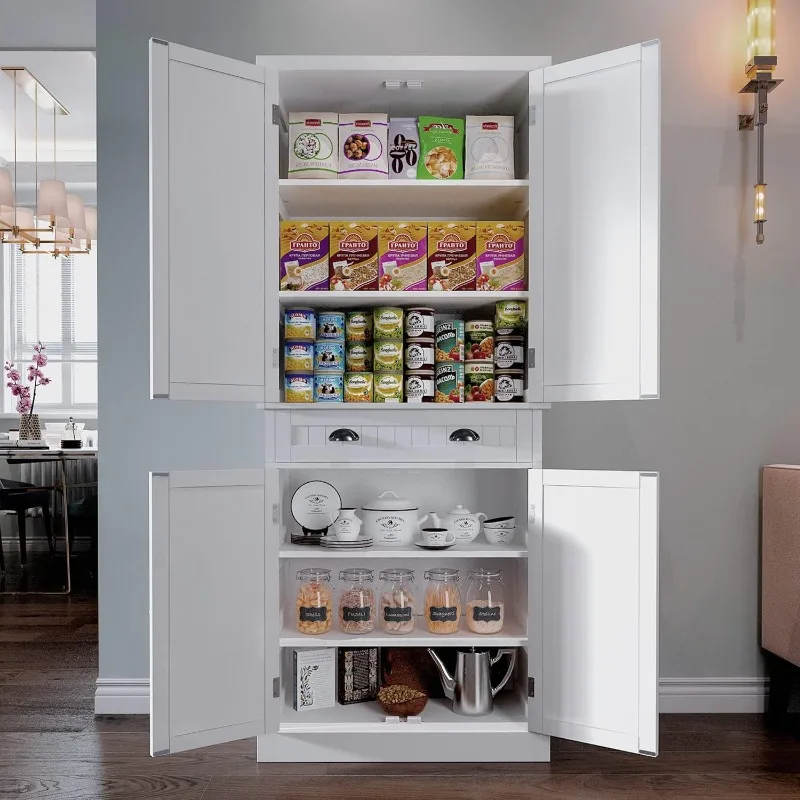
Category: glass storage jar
<point>314,604</point>
<point>356,601</point>
<point>442,600</point>
<point>486,601</point>
<point>398,603</point>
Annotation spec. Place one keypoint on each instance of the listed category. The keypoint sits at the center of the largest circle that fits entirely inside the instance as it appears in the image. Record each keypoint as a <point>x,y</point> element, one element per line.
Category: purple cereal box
<point>304,255</point>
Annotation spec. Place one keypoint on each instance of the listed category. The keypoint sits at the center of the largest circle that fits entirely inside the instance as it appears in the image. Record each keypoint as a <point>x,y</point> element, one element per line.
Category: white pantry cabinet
<point>582,577</point>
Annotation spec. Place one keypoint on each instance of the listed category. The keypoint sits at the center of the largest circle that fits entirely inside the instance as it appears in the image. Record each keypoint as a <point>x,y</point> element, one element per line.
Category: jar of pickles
<point>314,603</point>
<point>442,600</point>
<point>398,603</point>
<point>356,601</point>
<point>486,596</point>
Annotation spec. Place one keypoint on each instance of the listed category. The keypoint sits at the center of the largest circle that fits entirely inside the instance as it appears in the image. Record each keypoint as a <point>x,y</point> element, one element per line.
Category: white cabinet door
<point>213,206</point>
<point>595,558</point>
<point>214,607</point>
<point>595,219</point>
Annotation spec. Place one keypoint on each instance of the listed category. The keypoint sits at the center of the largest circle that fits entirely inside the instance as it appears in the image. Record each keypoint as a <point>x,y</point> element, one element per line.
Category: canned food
<point>419,354</point>
<point>510,314</point>
<point>328,387</point>
<point>329,357</point>
<point>388,322</point>
<point>388,388</point>
<point>299,388</point>
<point>388,356</point>
<point>358,357</point>
<point>509,386</point>
<point>419,386</point>
<point>449,383</point>
<point>298,357</point>
<point>358,387</point>
<point>299,324</point>
<point>479,340</point>
<point>450,340</point>
<point>479,382</point>
<point>509,352</point>
<point>330,326</point>
<point>358,326</point>
<point>419,322</point>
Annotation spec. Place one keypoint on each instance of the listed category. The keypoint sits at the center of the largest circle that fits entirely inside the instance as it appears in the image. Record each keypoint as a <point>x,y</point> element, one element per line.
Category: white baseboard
<point>712,695</point>
<point>131,696</point>
<point>676,696</point>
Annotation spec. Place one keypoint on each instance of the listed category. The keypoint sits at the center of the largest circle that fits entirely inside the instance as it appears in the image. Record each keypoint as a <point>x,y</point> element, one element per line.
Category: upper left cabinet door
<point>213,166</point>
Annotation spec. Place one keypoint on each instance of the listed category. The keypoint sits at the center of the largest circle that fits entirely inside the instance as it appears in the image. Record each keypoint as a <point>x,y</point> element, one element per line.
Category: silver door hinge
<point>277,117</point>
<point>275,361</point>
<point>531,687</point>
<point>531,357</point>
<point>531,116</point>
<point>275,513</point>
<point>159,41</point>
<point>276,687</point>
<point>532,513</point>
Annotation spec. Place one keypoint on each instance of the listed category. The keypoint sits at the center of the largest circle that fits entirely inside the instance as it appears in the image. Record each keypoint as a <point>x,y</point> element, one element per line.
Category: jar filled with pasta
<point>314,602</point>
<point>397,606</point>
<point>486,601</point>
<point>442,600</point>
<point>356,601</point>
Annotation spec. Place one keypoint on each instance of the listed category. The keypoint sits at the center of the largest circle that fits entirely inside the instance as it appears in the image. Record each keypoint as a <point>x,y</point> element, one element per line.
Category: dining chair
<point>20,497</point>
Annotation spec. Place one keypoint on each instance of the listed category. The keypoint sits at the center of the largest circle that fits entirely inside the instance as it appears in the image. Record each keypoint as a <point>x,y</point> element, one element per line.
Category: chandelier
<point>59,224</point>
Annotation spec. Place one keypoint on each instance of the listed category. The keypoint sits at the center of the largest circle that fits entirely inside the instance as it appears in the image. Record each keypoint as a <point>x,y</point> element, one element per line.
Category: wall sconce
<point>761,63</point>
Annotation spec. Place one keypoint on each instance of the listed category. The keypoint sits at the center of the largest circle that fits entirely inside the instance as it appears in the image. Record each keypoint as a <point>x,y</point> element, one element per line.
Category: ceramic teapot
<point>463,523</point>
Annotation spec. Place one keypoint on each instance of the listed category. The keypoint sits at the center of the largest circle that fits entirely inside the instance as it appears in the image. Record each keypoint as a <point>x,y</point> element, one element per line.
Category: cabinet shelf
<point>476,549</point>
<point>480,408</point>
<point>512,635</point>
<point>404,199</point>
<point>440,301</point>
<point>509,715</point>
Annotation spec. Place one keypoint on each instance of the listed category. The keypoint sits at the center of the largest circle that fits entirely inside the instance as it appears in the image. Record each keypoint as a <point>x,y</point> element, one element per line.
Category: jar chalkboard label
<point>444,613</point>
<point>395,614</point>
<point>486,613</point>
<point>355,613</point>
<point>312,614</point>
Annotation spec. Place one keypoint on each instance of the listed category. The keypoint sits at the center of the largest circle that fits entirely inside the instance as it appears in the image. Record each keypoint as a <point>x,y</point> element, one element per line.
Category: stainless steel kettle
<point>471,688</point>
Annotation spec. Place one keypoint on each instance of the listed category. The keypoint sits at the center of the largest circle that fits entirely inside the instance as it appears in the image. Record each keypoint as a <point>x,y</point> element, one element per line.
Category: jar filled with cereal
<point>398,604</point>
<point>314,601</point>
<point>356,601</point>
<point>486,601</point>
<point>442,600</point>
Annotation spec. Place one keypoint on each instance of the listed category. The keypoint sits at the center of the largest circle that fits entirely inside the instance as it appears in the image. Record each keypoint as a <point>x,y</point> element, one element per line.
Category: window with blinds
<point>53,300</point>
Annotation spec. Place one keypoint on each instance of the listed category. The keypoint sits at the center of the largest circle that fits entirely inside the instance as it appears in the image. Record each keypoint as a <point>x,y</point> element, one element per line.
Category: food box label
<point>402,256</point>
<point>354,256</point>
<point>451,256</point>
<point>304,252</point>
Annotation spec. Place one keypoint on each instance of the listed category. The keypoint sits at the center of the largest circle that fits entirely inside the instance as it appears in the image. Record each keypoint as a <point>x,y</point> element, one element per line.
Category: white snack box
<point>489,148</point>
<point>314,678</point>
<point>373,162</point>
<point>313,144</point>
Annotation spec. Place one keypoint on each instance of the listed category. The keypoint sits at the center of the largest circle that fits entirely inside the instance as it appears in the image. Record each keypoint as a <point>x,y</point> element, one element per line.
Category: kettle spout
<point>435,521</point>
<point>448,682</point>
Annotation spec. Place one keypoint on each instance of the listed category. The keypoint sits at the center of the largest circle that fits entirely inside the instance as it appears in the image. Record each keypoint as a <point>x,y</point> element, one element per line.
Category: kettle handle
<point>512,659</point>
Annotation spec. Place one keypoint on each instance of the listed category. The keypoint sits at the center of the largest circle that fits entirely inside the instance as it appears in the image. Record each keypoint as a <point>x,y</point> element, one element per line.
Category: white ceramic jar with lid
<point>391,520</point>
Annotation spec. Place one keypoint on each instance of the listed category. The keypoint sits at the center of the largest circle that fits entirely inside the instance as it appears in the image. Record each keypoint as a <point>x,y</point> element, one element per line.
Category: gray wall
<point>730,322</point>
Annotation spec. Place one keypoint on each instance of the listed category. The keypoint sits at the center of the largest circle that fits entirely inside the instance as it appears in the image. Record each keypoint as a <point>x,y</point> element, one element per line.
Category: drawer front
<point>400,436</point>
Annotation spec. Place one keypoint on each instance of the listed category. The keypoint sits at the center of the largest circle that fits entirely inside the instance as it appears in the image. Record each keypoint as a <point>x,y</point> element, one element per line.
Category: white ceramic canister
<point>391,520</point>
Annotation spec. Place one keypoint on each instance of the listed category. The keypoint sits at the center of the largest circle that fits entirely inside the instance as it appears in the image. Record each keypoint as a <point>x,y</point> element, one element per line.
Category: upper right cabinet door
<point>600,119</point>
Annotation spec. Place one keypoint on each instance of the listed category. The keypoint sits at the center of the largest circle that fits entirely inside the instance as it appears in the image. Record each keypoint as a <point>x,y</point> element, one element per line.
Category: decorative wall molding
<point>676,696</point>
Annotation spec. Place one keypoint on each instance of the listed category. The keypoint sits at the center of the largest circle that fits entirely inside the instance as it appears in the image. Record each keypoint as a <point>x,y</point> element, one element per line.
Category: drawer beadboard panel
<point>415,436</point>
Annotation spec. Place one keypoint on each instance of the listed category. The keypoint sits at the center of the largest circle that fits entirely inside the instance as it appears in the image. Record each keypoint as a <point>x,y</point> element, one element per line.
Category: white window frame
<point>67,406</point>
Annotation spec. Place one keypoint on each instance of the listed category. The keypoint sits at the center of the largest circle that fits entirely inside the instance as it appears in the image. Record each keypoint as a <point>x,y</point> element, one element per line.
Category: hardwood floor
<point>51,745</point>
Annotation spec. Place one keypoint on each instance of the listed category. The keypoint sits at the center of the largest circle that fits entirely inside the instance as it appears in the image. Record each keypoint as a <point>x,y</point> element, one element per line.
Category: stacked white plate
<point>335,544</point>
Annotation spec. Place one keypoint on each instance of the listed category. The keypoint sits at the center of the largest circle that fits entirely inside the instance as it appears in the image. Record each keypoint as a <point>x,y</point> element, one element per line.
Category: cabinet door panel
<point>600,233</point>
<point>210,608</point>
<point>596,557</point>
<point>209,139</point>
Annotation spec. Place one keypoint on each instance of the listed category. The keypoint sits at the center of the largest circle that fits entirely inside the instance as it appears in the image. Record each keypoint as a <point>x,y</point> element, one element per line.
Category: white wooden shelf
<point>512,635</point>
<point>509,715</point>
<point>480,548</point>
<point>440,301</point>
<point>404,199</point>
<point>481,408</point>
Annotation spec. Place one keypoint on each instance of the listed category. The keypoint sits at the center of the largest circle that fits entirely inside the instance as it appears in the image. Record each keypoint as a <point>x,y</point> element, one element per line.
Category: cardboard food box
<point>402,256</point>
<point>500,256</point>
<point>354,256</point>
<point>304,256</point>
<point>358,674</point>
<point>451,256</point>
<point>313,678</point>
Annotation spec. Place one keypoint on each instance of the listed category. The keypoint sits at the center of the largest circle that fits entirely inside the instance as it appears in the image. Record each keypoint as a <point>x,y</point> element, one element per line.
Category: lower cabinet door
<point>212,614</point>
<point>594,601</point>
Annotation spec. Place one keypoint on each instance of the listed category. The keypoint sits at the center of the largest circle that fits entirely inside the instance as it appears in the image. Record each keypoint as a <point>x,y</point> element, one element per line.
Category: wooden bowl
<point>404,708</point>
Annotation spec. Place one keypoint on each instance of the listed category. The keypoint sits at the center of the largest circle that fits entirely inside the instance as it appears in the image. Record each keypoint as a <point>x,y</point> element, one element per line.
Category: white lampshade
<point>90,215</point>
<point>6,190</point>
<point>25,220</point>
<point>75,215</point>
<point>52,199</point>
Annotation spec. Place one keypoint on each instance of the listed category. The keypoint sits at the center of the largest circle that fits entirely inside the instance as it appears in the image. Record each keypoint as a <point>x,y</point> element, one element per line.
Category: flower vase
<point>29,427</point>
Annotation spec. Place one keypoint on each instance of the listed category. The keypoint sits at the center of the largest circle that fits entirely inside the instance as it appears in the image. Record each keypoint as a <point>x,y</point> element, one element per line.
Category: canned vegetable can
<point>479,382</point>
<point>509,386</point>
<point>299,388</point>
<point>329,356</point>
<point>479,340</point>
<point>330,326</point>
<point>358,387</point>
<point>328,387</point>
<point>299,324</point>
<point>388,387</point>
<point>450,341</point>
<point>419,322</point>
<point>358,326</point>
<point>419,354</point>
<point>298,357</point>
<point>420,387</point>
<point>388,323</point>
<point>509,352</point>
<point>510,314</point>
<point>358,357</point>
<point>388,355</point>
<point>449,383</point>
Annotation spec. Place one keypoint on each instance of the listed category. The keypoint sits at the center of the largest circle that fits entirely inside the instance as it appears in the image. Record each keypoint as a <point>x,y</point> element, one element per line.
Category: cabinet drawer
<point>405,436</point>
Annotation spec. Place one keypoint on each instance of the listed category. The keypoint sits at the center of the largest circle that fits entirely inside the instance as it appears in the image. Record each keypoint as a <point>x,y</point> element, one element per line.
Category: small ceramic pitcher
<point>347,525</point>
